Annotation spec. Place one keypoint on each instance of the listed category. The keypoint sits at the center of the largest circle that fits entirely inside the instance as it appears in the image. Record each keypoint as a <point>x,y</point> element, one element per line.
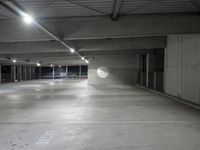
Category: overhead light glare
<point>83,58</point>
<point>51,65</point>
<point>27,19</point>
<point>14,61</point>
<point>38,64</point>
<point>72,50</point>
<point>87,61</point>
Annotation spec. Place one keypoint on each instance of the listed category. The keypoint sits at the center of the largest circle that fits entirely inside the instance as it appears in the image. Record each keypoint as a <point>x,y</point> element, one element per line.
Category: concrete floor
<point>69,115</point>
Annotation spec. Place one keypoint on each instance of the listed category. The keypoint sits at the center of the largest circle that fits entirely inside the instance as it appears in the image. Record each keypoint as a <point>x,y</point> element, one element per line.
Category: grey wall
<point>182,67</point>
<point>122,70</point>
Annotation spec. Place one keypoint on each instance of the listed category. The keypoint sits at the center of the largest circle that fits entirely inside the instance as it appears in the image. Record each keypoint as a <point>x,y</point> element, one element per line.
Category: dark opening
<point>73,72</point>
<point>156,69</point>
<point>60,72</point>
<point>6,74</point>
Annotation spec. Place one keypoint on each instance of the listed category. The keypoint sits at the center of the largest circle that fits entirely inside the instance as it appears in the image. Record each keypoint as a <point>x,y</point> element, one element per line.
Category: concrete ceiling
<point>94,27</point>
<point>74,8</point>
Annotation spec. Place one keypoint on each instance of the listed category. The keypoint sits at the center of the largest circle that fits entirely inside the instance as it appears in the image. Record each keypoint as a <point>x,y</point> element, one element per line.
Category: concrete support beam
<point>17,73</point>
<point>66,71</point>
<point>25,73</point>
<point>55,56</point>
<point>154,80</point>
<point>29,72</point>
<point>138,66</point>
<point>0,74</point>
<point>32,73</point>
<point>20,73</point>
<point>79,72</point>
<point>182,67</point>
<point>53,72</point>
<point>14,73</point>
<point>84,45</point>
<point>40,73</point>
<point>147,70</point>
<point>116,9</point>
<point>102,27</point>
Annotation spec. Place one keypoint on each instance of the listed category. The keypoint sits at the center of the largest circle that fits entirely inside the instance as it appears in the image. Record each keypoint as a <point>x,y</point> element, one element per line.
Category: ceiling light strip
<point>42,27</point>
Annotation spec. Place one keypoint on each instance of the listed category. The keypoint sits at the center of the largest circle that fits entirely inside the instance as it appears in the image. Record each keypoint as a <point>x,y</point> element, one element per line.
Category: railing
<point>62,76</point>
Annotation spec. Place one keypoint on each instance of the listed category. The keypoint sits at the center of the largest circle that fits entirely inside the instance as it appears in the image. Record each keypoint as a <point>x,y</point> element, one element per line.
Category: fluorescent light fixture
<point>27,19</point>
<point>87,61</point>
<point>14,61</point>
<point>83,58</point>
<point>72,50</point>
<point>38,64</point>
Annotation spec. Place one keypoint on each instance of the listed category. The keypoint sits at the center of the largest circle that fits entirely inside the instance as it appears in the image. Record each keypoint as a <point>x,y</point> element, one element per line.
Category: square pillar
<point>25,73</point>
<point>66,71</point>
<point>20,73</point>
<point>147,70</point>
<point>0,74</point>
<point>32,72</point>
<point>29,72</point>
<point>53,72</point>
<point>40,72</point>
<point>80,72</point>
<point>154,80</point>
<point>13,72</point>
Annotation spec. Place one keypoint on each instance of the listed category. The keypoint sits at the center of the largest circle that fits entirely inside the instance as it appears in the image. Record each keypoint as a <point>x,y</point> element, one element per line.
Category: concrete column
<point>33,72</point>
<point>138,67</point>
<point>25,73</point>
<point>165,71</point>
<point>154,81</point>
<point>147,70</point>
<point>66,71</point>
<point>53,73</point>
<point>20,73</point>
<point>179,67</point>
<point>0,73</point>
<point>14,73</point>
<point>141,78</point>
<point>80,72</point>
<point>138,62</point>
<point>40,72</point>
<point>29,72</point>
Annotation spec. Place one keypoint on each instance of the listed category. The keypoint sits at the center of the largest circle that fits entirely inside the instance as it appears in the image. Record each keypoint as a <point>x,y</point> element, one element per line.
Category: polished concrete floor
<point>69,115</point>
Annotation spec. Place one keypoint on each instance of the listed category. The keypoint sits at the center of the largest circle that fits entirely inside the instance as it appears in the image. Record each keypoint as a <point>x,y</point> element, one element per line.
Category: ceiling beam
<point>84,45</point>
<point>19,11</point>
<point>87,7</point>
<point>59,58</point>
<point>62,55</point>
<point>116,9</point>
<point>195,4</point>
<point>102,27</point>
<point>47,62</point>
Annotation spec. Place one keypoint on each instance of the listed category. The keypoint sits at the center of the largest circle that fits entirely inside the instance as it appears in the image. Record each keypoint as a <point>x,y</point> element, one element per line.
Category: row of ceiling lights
<point>14,61</point>
<point>28,20</point>
<point>38,64</point>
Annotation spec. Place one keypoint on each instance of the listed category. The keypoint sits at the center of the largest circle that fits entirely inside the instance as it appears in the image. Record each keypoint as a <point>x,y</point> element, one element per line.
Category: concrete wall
<point>121,70</point>
<point>182,67</point>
